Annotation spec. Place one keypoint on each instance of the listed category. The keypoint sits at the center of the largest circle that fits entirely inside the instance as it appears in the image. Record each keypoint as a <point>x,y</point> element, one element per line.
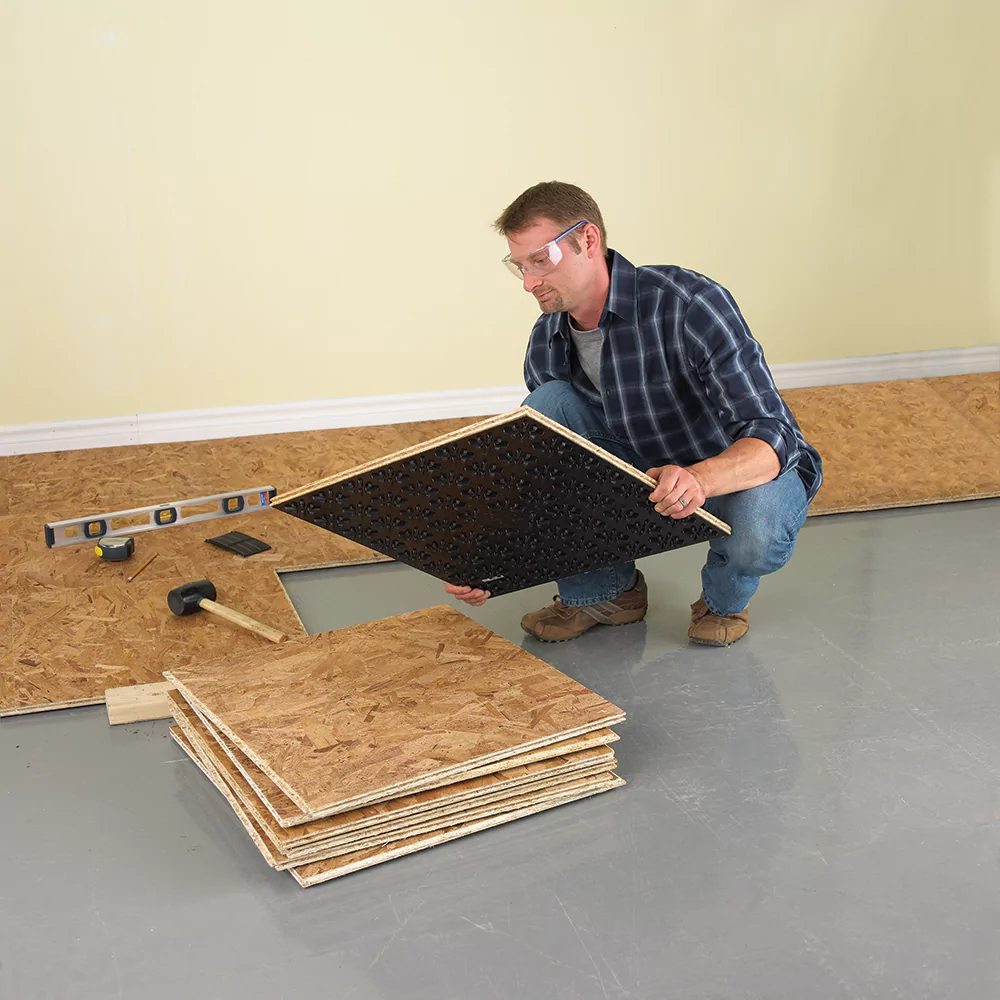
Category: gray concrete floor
<point>814,812</point>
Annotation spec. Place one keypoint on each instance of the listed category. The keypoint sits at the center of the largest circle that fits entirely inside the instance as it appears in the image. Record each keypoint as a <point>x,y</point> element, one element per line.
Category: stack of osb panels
<point>353,747</point>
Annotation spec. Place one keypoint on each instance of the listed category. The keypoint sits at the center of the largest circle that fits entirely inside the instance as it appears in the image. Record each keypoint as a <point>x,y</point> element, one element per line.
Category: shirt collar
<point>620,301</point>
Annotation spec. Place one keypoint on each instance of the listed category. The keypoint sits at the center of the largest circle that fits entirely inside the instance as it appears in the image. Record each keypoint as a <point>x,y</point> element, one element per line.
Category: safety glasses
<point>543,260</point>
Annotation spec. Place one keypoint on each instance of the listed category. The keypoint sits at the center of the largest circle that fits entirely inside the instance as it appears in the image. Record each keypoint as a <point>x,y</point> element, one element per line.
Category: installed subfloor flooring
<point>814,812</point>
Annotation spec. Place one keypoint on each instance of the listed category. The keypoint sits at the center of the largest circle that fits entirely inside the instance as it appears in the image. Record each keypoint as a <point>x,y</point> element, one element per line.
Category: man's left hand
<point>678,492</point>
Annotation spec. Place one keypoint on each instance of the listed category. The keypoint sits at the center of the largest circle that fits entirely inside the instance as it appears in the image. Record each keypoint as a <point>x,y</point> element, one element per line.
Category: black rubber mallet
<point>200,596</point>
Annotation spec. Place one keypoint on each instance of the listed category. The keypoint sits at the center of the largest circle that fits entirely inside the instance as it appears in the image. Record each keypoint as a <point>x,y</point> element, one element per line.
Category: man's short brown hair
<point>565,204</point>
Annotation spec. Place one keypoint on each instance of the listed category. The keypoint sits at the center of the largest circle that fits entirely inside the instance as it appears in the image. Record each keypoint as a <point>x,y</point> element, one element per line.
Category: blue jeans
<point>765,519</point>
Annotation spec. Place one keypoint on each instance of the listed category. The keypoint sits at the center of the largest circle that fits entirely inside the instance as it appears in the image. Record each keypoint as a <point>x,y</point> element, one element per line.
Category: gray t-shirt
<point>587,351</point>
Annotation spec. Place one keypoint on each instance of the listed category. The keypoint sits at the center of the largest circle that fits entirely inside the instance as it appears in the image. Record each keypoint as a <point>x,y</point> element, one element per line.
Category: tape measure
<point>115,548</point>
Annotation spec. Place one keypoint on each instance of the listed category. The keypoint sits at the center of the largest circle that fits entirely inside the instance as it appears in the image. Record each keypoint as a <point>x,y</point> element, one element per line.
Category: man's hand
<point>678,491</point>
<point>477,598</point>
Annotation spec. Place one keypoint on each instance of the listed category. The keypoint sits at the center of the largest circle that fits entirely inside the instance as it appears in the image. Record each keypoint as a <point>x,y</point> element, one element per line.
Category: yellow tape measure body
<point>115,548</point>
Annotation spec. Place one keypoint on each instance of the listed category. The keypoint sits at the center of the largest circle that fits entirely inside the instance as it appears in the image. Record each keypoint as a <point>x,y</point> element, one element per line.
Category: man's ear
<point>593,236</point>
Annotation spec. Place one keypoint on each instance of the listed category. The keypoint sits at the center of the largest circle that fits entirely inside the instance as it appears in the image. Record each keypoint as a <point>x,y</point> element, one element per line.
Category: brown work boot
<point>559,622</point>
<point>716,630</point>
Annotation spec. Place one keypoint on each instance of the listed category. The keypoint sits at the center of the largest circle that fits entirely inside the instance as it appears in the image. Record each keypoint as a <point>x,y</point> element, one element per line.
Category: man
<point>658,366</point>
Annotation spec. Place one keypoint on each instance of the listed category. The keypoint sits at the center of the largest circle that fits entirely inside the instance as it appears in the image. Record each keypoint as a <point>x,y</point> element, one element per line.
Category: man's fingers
<point>467,594</point>
<point>670,501</point>
<point>680,512</point>
<point>668,482</point>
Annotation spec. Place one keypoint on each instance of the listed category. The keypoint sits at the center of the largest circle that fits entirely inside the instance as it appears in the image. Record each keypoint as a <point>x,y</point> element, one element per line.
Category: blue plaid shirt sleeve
<point>533,377</point>
<point>731,365</point>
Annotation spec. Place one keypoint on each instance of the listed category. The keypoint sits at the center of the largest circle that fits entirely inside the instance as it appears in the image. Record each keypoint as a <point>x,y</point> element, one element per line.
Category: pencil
<point>129,579</point>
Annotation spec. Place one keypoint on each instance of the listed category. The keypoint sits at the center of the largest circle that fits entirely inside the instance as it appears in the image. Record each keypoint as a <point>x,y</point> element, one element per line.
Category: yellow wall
<point>244,202</point>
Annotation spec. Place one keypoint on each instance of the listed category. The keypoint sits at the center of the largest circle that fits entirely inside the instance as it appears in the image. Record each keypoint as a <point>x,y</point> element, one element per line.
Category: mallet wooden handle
<point>237,619</point>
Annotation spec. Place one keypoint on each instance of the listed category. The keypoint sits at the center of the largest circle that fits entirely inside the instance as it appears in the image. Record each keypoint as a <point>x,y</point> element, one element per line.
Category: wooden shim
<point>374,711</point>
<point>397,813</point>
<point>138,703</point>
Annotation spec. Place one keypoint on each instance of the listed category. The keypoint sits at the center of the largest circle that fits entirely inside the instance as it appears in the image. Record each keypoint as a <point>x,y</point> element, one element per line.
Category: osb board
<point>374,711</point>
<point>883,444</point>
<point>504,504</point>
<point>299,827</point>
<point>324,871</point>
<point>69,645</point>
<point>316,872</point>
<point>429,822</point>
<point>63,484</point>
<point>487,805</point>
<point>903,443</point>
<point>395,814</point>
<point>79,628</point>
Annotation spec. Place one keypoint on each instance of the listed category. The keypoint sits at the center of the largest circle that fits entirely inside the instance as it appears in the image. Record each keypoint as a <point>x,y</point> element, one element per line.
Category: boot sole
<point>715,642</point>
<point>570,638</point>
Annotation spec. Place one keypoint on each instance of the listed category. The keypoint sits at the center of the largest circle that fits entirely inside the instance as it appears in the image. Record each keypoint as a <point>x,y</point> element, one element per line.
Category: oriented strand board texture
<point>396,813</point>
<point>899,444</point>
<point>503,505</point>
<point>367,713</point>
<point>297,824</point>
<point>73,628</point>
<point>364,718</point>
<point>315,872</point>
<point>323,871</point>
<point>79,628</point>
<point>70,628</point>
<point>410,826</point>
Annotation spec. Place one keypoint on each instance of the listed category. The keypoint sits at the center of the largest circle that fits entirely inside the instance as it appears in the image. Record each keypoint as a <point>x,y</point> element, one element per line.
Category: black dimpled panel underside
<point>502,509</point>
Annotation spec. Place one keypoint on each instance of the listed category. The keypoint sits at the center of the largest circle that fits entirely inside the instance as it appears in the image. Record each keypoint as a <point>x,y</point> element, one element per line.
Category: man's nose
<point>531,281</point>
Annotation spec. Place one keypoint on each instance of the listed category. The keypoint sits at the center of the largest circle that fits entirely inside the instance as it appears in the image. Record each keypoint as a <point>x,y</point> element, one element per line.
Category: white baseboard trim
<point>360,411</point>
<point>888,367</point>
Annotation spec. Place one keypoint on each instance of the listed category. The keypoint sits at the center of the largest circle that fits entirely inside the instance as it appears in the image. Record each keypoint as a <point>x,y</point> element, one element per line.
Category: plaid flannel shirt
<point>682,377</point>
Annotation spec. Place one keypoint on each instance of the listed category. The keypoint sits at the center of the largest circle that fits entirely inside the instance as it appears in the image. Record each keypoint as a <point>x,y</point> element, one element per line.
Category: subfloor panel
<point>79,629</point>
<point>903,443</point>
<point>811,813</point>
<point>508,503</point>
<point>365,714</point>
<point>76,629</point>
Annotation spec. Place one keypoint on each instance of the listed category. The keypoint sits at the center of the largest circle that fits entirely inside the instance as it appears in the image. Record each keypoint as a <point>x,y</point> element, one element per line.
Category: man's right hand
<point>477,598</point>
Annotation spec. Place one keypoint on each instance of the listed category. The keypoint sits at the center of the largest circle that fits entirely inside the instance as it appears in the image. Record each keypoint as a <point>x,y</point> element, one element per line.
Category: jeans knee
<point>754,552</point>
<point>766,521</point>
<point>550,398</point>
